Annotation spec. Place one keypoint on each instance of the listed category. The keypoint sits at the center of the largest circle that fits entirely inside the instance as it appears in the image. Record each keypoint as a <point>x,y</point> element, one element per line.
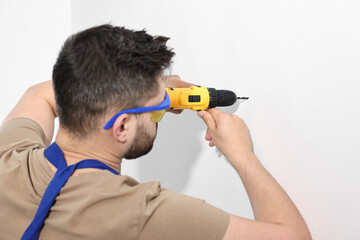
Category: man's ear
<point>120,128</point>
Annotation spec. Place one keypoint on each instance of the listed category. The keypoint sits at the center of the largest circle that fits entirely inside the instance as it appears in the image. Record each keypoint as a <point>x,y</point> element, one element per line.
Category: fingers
<point>176,111</point>
<point>208,119</point>
<point>209,138</point>
<point>211,143</point>
<point>175,81</point>
<point>207,135</point>
<point>211,117</point>
<point>215,113</point>
<point>227,132</point>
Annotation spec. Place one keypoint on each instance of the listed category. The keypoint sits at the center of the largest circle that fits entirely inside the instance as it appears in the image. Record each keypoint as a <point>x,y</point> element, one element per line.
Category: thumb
<point>208,119</point>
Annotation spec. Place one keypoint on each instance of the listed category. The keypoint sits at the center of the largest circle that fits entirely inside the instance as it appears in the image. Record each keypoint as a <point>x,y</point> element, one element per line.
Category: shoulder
<point>18,130</point>
<point>19,139</point>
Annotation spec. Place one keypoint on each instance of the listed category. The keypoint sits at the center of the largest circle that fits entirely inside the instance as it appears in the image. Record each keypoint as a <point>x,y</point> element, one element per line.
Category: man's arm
<point>38,104</point>
<point>276,217</point>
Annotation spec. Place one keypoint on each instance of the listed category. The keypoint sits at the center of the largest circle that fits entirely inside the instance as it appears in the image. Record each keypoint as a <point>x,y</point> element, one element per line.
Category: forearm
<point>44,91</point>
<point>276,217</point>
<point>269,201</point>
<point>38,104</point>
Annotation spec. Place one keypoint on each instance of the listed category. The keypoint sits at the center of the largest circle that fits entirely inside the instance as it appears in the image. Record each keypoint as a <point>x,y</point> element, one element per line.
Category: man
<point>109,93</point>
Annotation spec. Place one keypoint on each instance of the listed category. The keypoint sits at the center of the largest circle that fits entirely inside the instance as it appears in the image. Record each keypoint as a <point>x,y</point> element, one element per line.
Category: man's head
<point>106,69</point>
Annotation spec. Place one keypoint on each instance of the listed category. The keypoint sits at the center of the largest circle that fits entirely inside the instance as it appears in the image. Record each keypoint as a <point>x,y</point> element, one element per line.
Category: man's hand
<point>174,81</point>
<point>228,133</point>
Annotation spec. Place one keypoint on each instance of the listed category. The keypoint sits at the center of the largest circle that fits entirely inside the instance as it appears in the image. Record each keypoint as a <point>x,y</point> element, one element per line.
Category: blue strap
<point>54,154</point>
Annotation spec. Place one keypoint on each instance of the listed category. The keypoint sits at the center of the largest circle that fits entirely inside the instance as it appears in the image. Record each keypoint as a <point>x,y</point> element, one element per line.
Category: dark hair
<point>106,68</point>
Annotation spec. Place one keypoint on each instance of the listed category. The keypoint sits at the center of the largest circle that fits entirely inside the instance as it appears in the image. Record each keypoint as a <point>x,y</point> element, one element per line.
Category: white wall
<point>32,33</point>
<point>298,61</point>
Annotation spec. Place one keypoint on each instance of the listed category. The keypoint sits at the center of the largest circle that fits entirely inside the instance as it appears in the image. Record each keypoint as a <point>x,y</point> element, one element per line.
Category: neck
<point>93,147</point>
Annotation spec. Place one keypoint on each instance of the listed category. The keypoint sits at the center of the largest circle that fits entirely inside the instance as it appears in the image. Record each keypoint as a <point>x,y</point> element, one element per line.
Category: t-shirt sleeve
<point>174,216</point>
<point>19,129</point>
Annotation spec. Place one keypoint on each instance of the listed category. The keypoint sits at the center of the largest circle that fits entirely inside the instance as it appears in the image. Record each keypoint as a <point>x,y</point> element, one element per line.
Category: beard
<point>143,143</point>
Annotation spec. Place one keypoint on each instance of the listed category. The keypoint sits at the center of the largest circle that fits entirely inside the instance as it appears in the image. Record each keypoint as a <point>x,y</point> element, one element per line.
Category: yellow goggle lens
<point>156,116</point>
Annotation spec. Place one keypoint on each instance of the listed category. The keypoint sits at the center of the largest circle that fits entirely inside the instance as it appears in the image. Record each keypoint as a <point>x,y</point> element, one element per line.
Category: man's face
<point>146,129</point>
<point>142,144</point>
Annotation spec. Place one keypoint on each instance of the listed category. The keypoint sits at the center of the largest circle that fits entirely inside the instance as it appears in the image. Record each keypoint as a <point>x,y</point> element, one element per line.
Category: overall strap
<point>54,154</point>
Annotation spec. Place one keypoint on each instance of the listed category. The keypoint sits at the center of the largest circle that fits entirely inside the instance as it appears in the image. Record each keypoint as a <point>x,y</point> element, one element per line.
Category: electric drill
<point>200,98</point>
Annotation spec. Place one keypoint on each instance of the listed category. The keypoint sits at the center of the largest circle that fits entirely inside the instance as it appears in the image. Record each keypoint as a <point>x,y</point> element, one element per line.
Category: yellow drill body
<point>198,98</point>
<point>193,98</point>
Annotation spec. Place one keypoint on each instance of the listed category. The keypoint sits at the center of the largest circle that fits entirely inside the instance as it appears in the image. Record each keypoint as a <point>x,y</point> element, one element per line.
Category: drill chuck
<point>221,98</point>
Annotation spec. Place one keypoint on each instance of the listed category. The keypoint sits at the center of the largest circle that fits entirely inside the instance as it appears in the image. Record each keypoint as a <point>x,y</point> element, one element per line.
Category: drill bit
<point>243,98</point>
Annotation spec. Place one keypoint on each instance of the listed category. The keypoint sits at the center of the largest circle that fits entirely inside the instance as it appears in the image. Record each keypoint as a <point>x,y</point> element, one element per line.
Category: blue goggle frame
<point>162,106</point>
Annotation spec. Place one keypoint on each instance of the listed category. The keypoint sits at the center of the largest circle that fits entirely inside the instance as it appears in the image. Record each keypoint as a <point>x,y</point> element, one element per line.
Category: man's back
<point>92,205</point>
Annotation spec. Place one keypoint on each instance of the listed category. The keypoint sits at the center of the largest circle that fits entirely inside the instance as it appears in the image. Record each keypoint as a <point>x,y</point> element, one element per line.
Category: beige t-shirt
<point>92,205</point>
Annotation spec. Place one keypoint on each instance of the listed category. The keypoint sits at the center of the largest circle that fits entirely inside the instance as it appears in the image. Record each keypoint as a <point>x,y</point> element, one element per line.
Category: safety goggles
<point>158,111</point>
